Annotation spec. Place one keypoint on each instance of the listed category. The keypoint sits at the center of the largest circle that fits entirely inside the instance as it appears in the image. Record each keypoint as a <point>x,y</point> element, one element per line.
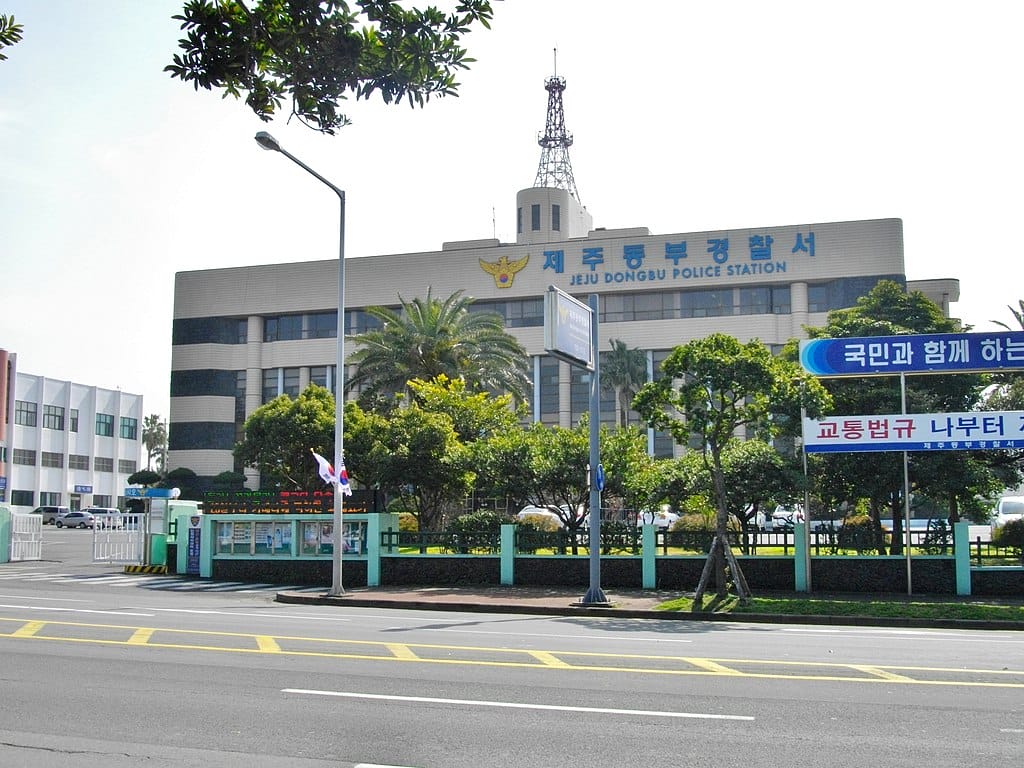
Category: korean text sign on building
<point>919,353</point>
<point>986,430</point>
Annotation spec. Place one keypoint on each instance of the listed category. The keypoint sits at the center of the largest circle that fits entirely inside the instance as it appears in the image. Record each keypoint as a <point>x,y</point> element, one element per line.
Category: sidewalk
<point>624,604</point>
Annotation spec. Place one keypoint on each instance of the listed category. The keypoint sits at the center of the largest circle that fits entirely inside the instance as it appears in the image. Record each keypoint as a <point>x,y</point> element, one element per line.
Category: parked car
<point>1008,508</point>
<point>76,519</point>
<point>49,513</point>
<point>660,518</point>
<point>106,517</point>
<point>549,513</point>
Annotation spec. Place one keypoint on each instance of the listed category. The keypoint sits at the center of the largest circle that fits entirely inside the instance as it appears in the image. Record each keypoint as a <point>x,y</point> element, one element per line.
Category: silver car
<point>76,519</point>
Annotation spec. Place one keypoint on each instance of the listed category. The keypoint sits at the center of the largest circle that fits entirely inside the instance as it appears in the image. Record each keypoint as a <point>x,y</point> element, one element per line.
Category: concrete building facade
<point>64,443</point>
<point>244,335</point>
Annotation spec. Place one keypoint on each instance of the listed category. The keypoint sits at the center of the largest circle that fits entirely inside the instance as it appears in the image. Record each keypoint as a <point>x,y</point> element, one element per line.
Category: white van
<point>106,517</point>
<point>1008,508</point>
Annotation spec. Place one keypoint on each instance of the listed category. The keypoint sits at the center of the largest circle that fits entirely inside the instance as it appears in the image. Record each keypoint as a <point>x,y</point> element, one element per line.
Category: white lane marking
<point>518,705</point>
<point>1011,730</point>
<point>963,636</point>
<point>58,609</point>
<point>553,634</point>
<point>379,765</point>
<point>54,599</point>
<point>237,613</point>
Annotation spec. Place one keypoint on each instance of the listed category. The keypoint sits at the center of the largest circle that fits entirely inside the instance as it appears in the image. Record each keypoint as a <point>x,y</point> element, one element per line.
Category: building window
<point>535,217</point>
<point>210,330</point>
<point>290,382</point>
<point>24,413</point>
<point>24,456</point>
<point>53,417</point>
<point>203,382</point>
<point>283,328</point>
<point>49,499</point>
<point>102,500</point>
<point>77,461</point>
<point>323,325</point>
<point>325,376</point>
<point>556,218</point>
<point>270,387</point>
<point>104,465</point>
<point>50,459</point>
<point>519,220</point>
<point>129,428</point>
<point>705,303</point>
<point>240,396</point>
<point>126,466</point>
<point>755,301</point>
<point>23,498</point>
<point>105,424</point>
<point>549,390</point>
<point>73,420</point>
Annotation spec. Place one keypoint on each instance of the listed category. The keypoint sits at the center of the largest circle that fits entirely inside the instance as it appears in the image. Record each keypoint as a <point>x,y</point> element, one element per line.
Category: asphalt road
<point>101,670</point>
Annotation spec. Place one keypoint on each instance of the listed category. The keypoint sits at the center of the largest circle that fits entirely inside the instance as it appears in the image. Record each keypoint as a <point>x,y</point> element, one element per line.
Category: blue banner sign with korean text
<point>981,431</point>
<point>920,353</point>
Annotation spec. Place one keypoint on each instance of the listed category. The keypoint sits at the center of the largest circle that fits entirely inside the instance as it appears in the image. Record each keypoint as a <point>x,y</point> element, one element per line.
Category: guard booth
<point>144,539</point>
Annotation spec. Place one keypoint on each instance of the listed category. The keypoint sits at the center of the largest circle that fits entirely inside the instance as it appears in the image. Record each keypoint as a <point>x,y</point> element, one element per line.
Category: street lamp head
<point>267,141</point>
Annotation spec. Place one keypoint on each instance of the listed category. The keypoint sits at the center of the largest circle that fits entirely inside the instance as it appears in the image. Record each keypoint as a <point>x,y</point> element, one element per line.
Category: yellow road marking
<point>267,644</point>
<point>550,660</point>
<point>403,652</point>
<point>882,673</point>
<point>29,629</point>
<point>712,666</point>
<point>531,659</point>
<point>141,636</point>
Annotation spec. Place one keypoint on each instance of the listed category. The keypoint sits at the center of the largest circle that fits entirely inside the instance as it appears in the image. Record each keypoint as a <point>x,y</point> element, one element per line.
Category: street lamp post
<point>267,141</point>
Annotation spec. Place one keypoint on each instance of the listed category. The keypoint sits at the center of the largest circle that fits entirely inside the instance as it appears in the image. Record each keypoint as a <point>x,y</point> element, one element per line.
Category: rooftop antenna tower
<point>555,170</point>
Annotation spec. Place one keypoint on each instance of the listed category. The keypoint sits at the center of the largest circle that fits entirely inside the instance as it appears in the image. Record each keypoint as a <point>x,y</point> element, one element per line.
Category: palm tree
<point>154,438</point>
<point>624,371</point>
<point>1018,315</point>
<point>428,337</point>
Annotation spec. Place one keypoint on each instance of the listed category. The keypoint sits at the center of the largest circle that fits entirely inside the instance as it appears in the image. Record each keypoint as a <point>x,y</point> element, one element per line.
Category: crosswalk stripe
<point>165,583</point>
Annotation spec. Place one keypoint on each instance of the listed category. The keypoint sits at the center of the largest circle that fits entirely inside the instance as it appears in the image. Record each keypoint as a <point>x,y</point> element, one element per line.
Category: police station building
<point>244,335</point>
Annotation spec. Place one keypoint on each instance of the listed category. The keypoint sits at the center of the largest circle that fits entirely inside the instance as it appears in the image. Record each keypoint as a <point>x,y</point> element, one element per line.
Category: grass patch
<point>873,608</point>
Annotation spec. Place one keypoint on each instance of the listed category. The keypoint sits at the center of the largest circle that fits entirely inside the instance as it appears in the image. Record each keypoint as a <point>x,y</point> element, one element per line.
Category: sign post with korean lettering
<point>985,430</point>
<point>918,353</point>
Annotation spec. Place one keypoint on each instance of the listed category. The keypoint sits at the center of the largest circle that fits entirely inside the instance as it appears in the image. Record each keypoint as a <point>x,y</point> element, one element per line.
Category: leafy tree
<point>631,477</point>
<point>416,456</point>
<point>144,477</point>
<point>714,387</point>
<point>888,310</point>
<point>430,337</point>
<point>10,33</point>
<point>154,439</point>
<point>503,469</point>
<point>185,480</point>
<point>280,435</point>
<point>756,478</point>
<point>475,415</point>
<point>623,371</point>
<point>317,53</point>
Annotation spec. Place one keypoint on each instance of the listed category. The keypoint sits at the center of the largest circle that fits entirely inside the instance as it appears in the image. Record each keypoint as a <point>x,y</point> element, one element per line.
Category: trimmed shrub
<point>1010,535</point>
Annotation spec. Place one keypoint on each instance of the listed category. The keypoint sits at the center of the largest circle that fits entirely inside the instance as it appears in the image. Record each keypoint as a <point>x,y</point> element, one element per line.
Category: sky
<point>686,117</point>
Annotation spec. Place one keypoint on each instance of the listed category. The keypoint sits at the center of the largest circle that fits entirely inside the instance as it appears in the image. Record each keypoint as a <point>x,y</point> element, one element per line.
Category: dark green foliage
<point>1011,535</point>
<point>858,533</point>
<point>479,530</point>
<point>317,54</point>
<point>144,477</point>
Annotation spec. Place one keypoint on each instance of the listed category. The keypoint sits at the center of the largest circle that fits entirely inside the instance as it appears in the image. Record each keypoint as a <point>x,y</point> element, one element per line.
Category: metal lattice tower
<point>555,170</point>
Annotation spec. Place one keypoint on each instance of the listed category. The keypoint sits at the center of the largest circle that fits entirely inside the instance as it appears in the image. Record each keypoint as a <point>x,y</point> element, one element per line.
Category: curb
<point>632,613</point>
